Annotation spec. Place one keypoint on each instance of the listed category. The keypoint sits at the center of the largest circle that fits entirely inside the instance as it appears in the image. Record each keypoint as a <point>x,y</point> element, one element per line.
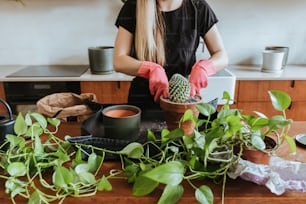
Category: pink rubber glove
<point>199,75</point>
<point>158,81</point>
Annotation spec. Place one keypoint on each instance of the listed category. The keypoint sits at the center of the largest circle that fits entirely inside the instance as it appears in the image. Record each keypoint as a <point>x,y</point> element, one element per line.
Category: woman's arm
<point>216,48</point>
<point>122,60</point>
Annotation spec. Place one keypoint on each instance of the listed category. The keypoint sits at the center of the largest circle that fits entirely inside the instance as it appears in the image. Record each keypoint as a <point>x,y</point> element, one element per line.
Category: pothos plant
<point>166,159</point>
<point>26,156</point>
<point>207,153</point>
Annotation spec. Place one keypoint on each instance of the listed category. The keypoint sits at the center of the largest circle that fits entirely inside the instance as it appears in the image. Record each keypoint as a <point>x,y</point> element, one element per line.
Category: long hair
<point>149,36</point>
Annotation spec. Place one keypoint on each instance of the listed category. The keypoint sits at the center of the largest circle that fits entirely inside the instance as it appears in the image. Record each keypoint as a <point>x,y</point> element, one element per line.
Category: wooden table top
<point>237,191</point>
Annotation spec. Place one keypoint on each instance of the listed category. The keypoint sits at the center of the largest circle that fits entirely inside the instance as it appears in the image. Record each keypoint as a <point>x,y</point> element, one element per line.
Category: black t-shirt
<point>184,27</point>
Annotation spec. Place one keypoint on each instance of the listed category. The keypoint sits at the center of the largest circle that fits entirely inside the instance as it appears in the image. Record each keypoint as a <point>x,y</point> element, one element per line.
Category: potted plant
<point>208,152</point>
<point>166,159</point>
<point>265,134</point>
<point>178,102</point>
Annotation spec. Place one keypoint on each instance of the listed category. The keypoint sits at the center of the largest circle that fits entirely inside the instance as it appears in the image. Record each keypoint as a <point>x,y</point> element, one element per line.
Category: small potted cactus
<point>178,102</point>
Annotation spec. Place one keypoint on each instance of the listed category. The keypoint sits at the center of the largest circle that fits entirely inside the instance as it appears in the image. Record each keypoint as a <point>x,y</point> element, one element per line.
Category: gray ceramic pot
<point>101,59</point>
<point>122,122</point>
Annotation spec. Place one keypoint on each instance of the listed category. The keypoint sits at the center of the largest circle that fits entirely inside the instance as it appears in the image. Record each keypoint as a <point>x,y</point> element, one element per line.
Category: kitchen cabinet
<point>252,95</point>
<point>107,92</point>
<point>3,109</point>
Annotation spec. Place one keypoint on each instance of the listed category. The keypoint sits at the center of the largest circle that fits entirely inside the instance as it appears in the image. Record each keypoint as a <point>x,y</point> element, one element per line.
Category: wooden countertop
<point>237,191</point>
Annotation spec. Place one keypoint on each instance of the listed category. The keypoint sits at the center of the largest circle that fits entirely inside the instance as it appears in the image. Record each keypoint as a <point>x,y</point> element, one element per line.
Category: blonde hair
<point>149,35</point>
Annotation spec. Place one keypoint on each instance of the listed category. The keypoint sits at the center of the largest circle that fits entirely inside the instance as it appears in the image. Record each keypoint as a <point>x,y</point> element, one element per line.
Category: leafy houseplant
<point>258,129</point>
<point>208,152</point>
<point>166,159</point>
<point>35,150</point>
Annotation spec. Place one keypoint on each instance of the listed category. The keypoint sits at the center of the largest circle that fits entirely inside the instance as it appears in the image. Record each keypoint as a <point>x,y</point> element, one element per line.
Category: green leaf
<point>35,198</point>
<point>234,125</point>
<point>131,172</point>
<point>133,150</point>
<point>38,147</point>
<point>78,157</point>
<point>257,141</point>
<point>258,123</point>
<point>206,109</point>
<point>144,186</point>
<point>199,140</point>
<point>40,119</point>
<point>164,134</point>
<point>15,141</point>
<point>62,177</point>
<point>151,136</point>
<point>82,168</point>
<point>175,134</point>
<point>279,121</point>
<point>291,143</point>
<point>20,126</point>
<point>34,130</point>
<point>87,177</point>
<point>188,115</point>
<point>17,191</point>
<point>94,161</point>
<point>169,173</point>
<point>17,169</point>
<point>104,184</point>
<point>171,194</point>
<point>204,195</point>
<point>54,121</point>
<point>280,100</point>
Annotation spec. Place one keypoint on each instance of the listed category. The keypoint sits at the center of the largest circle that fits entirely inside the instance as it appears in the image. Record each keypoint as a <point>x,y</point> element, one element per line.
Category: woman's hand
<point>158,81</point>
<point>199,75</point>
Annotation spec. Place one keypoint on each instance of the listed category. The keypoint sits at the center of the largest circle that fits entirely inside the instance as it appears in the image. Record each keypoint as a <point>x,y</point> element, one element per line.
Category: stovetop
<point>51,71</point>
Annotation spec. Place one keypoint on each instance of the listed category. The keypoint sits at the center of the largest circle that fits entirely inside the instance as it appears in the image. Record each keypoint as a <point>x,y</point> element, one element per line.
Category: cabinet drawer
<point>296,111</point>
<point>258,90</point>
<point>107,92</point>
<point>3,109</point>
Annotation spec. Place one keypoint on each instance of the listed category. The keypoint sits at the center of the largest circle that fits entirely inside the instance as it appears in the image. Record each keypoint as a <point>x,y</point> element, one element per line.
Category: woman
<point>157,38</point>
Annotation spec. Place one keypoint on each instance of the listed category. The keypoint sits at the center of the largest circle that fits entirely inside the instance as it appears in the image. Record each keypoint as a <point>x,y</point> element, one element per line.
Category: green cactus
<point>179,89</point>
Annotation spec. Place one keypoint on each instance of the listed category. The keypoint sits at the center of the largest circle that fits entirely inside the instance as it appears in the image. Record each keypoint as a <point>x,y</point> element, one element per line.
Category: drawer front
<point>3,109</point>
<point>107,92</point>
<point>258,90</point>
<point>296,111</point>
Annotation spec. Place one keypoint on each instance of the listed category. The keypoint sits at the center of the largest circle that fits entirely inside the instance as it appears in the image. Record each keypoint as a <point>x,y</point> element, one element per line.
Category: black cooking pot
<point>7,123</point>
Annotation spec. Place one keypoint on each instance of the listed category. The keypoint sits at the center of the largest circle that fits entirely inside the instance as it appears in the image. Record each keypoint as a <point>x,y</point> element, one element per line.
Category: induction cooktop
<point>50,71</point>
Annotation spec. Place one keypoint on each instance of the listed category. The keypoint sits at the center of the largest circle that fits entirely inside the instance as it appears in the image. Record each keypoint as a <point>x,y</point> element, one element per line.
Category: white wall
<point>60,31</point>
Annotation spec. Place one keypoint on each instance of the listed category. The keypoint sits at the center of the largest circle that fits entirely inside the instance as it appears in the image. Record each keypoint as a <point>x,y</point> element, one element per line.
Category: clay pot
<point>257,156</point>
<point>122,122</point>
<point>173,112</point>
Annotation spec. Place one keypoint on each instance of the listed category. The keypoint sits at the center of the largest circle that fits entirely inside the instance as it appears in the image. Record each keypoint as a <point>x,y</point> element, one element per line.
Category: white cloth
<point>279,176</point>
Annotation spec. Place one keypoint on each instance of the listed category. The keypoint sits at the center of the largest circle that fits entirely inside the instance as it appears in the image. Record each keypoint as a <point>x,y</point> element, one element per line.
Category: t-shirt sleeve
<point>206,17</point>
<point>127,16</point>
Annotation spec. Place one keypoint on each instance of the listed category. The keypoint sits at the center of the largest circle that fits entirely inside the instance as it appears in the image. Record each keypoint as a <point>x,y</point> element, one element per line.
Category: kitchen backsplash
<point>60,31</point>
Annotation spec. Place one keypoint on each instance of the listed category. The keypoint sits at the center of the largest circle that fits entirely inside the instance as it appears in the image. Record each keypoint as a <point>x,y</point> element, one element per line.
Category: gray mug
<point>282,49</point>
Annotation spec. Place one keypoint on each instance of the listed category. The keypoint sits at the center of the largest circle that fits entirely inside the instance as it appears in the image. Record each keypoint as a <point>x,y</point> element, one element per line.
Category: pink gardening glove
<point>199,75</point>
<point>158,81</point>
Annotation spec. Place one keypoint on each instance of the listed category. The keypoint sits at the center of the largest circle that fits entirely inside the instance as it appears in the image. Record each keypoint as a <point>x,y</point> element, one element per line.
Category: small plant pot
<point>101,59</point>
<point>173,112</point>
<point>257,156</point>
<point>122,122</point>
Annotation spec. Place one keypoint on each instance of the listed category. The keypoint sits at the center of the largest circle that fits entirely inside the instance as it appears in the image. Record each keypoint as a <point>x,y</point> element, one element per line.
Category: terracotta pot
<point>122,122</point>
<point>173,113</point>
<point>257,156</point>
